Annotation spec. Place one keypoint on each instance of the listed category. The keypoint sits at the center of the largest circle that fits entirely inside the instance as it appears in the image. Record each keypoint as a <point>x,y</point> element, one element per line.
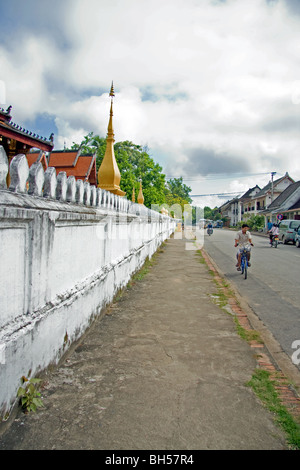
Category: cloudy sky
<point>212,87</point>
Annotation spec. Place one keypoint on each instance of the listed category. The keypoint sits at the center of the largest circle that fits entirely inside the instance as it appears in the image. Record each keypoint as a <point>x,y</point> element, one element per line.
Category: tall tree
<point>177,196</point>
<point>134,163</point>
<point>179,189</point>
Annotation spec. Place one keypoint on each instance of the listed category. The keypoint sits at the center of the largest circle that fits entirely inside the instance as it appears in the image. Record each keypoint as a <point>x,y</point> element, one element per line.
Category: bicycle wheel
<point>245,270</point>
<point>242,266</point>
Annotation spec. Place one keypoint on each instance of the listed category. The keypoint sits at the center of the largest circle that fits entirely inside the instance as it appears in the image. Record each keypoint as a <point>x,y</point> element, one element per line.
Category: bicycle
<point>244,263</point>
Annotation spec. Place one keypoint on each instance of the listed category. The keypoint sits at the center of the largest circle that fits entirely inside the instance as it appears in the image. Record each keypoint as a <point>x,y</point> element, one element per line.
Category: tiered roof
<point>71,161</point>
<point>10,130</point>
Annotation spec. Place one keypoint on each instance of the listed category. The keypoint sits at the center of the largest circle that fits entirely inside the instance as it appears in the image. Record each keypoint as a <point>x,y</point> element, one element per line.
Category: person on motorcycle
<point>243,240</point>
<point>273,232</point>
<point>209,228</point>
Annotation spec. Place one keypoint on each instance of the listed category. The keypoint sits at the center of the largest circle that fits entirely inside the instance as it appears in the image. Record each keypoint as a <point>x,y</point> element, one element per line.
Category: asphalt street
<point>272,287</point>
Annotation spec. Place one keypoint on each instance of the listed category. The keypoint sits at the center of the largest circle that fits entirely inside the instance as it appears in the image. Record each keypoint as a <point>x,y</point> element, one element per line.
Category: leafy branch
<point>29,395</point>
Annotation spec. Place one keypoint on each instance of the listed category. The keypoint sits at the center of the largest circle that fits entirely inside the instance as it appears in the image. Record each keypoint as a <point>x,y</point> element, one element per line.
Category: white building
<point>287,204</point>
<point>230,210</point>
<point>255,201</point>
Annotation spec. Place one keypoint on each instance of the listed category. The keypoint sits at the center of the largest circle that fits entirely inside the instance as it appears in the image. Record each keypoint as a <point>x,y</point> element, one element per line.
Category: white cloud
<point>25,70</point>
<point>222,77</point>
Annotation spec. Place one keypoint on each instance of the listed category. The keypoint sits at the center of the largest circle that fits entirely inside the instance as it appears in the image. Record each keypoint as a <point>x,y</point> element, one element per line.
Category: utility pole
<point>272,185</point>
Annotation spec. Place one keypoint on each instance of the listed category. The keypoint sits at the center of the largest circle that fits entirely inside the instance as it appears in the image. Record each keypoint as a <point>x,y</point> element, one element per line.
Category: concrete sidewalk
<point>163,369</point>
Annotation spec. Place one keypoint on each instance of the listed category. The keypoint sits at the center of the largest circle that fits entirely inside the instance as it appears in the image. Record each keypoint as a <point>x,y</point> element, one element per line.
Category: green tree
<point>256,222</point>
<point>134,163</point>
<point>207,213</point>
<point>212,214</point>
<point>179,190</point>
<point>177,196</point>
<point>90,144</point>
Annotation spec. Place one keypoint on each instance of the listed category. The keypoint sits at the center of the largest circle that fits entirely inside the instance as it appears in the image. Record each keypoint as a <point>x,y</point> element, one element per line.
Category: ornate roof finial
<point>112,92</point>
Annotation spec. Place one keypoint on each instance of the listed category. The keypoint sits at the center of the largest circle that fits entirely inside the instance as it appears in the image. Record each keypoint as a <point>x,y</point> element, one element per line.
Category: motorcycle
<point>209,231</point>
<point>274,240</point>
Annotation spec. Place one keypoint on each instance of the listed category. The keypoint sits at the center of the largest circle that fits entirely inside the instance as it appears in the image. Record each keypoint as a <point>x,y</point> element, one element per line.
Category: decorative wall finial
<point>141,196</point>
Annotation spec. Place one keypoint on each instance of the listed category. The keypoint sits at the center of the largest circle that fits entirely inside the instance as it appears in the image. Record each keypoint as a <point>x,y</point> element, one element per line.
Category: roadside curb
<point>287,394</point>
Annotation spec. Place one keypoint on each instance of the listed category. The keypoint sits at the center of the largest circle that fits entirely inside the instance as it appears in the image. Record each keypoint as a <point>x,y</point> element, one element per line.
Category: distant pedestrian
<point>270,225</point>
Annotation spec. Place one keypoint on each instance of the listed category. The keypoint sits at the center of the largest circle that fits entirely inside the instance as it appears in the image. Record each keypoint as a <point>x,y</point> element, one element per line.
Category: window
<point>295,224</point>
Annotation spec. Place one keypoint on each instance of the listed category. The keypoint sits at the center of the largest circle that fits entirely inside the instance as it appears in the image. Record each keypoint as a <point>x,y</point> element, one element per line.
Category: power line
<point>217,177</point>
<point>216,194</point>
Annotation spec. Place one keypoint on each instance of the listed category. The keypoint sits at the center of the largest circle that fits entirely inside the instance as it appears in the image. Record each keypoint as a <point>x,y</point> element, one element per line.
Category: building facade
<point>257,201</point>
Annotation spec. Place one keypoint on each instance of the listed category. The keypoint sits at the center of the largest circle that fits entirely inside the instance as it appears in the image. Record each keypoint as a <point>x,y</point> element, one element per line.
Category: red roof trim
<point>25,139</point>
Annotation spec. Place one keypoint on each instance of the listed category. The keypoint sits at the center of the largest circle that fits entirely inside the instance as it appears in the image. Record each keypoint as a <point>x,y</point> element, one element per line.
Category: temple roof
<point>81,166</point>
<point>13,131</point>
<point>33,157</point>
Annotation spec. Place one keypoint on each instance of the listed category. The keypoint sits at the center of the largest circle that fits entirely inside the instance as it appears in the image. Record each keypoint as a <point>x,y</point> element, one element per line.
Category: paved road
<point>272,287</point>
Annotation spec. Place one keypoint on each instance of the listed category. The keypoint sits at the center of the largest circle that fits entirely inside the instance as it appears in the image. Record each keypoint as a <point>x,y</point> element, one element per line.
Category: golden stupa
<point>141,196</point>
<point>109,176</point>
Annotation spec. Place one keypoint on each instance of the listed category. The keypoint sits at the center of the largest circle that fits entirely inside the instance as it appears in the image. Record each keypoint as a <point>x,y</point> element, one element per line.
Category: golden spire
<point>112,92</point>
<point>133,195</point>
<point>109,175</point>
<point>141,196</point>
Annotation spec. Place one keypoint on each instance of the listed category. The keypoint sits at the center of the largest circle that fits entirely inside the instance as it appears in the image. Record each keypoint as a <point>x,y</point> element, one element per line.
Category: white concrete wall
<point>61,264</point>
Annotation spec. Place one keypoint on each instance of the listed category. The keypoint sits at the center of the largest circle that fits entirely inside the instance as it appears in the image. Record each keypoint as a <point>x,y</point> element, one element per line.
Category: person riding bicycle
<point>243,240</point>
<point>273,232</point>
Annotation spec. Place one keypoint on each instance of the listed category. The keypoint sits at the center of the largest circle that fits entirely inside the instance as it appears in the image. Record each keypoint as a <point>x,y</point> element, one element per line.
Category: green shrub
<point>29,395</point>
